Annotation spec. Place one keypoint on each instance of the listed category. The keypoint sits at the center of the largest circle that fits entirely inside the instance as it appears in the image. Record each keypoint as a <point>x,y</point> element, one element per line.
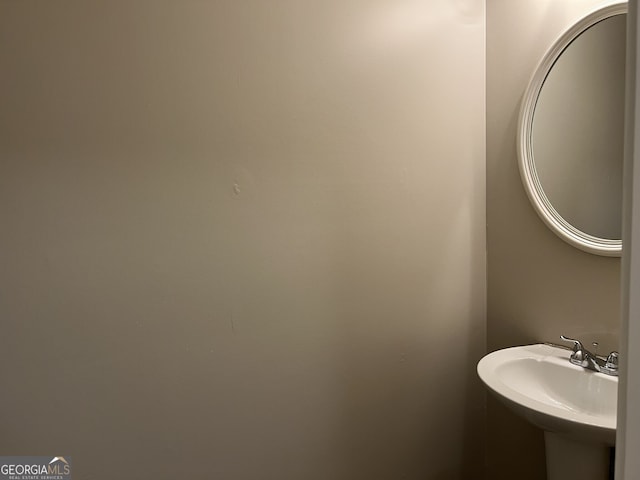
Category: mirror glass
<point>572,136</point>
<point>578,130</point>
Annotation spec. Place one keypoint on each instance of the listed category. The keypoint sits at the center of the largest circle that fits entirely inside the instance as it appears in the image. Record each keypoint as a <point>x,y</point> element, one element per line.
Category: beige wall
<point>539,287</point>
<point>244,240</point>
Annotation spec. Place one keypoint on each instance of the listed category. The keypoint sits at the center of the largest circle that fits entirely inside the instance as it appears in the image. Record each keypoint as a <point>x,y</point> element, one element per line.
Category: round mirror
<point>571,133</point>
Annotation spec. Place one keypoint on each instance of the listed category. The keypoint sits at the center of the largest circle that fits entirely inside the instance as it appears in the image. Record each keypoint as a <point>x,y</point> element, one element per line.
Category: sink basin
<point>539,383</point>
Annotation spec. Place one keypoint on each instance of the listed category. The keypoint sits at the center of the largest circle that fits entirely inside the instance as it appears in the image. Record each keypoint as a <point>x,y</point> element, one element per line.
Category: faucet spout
<point>591,362</point>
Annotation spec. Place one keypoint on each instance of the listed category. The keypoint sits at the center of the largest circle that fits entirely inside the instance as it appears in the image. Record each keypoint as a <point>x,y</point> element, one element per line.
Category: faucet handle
<point>612,361</point>
<point>578,357</point>
<point>577,344</point>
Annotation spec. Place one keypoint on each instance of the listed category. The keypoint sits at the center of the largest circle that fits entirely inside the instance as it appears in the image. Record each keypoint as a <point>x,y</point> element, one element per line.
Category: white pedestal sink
<point>575,407</point>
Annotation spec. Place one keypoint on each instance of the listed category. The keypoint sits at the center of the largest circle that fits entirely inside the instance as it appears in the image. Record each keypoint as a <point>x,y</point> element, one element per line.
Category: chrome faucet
<point>584,358</point>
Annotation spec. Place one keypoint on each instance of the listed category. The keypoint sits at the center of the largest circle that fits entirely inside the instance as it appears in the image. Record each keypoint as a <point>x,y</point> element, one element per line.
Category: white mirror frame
<point>526,163</point>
